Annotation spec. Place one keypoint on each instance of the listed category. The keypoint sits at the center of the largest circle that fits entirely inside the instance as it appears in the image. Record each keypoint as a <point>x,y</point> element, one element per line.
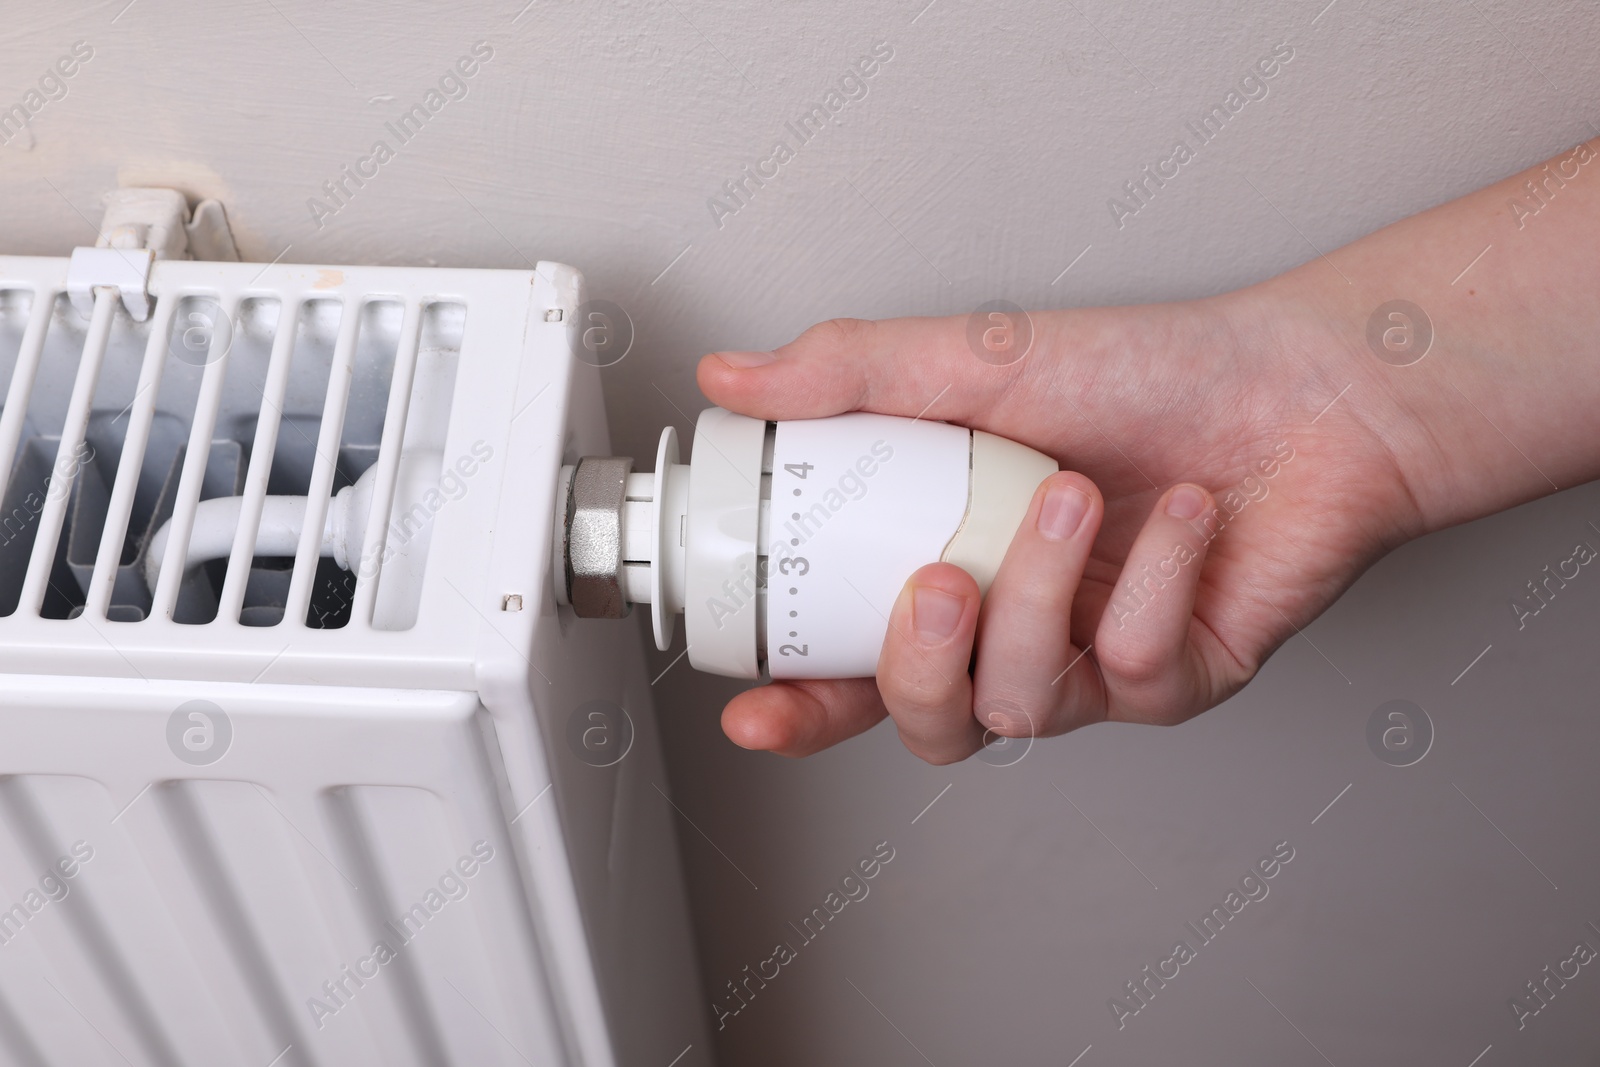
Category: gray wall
<point>978,166</point>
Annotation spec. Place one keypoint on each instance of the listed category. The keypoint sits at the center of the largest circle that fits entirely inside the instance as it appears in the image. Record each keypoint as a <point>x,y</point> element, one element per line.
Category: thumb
<point>914,366</point>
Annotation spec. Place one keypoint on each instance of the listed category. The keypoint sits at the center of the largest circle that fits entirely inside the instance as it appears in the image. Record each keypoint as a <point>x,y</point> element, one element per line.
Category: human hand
<point>1211,503</point>
<point>1313,451</point>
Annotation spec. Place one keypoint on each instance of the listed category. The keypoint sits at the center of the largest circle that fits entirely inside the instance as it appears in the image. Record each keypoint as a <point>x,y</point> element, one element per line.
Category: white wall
<point>978,166</point>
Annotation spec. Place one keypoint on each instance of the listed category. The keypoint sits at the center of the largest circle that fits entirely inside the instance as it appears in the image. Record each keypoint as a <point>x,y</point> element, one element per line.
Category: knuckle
<point>1010,716</point>
<point>1042,602</point>
<point>917,696</point>
<point>930,754</point>
<point>837,333</point>
<point>1015,726</point>
<point>1133,666</point>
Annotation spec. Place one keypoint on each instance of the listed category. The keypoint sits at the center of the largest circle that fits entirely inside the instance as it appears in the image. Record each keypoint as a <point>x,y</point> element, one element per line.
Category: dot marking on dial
<point>793,590</point>
<point>794,633</point>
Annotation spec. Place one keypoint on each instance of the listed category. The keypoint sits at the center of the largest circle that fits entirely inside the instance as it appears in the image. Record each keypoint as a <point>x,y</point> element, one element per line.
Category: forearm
<point>1505,406</point>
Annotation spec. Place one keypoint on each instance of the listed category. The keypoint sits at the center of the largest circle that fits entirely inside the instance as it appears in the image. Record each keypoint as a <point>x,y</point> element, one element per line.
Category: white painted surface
<point>978,165</point>
<point>859,502</point>
<point>590,963</point>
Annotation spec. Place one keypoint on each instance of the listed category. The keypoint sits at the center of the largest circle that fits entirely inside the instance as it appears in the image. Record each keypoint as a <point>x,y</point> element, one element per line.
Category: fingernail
<point>935,613</point>
<point>746,360</point>
<point>1062,512</point>
<point>1186,502</point>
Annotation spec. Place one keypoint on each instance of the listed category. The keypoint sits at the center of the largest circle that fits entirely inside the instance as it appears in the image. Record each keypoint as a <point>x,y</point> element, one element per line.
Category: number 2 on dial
<point>794,650</point>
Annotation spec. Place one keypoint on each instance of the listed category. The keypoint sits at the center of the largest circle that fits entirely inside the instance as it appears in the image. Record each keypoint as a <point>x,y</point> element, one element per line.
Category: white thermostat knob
<point>785,544</point>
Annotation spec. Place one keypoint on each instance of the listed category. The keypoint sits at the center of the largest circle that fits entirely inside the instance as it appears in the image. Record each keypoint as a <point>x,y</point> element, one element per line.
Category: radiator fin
<point>112,429</point>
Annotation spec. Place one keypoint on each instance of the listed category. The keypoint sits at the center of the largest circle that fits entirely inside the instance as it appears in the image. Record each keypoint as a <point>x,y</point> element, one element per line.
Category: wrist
<point>1503,405</point>
<point>1333,406</point>
<point>1474,400</point>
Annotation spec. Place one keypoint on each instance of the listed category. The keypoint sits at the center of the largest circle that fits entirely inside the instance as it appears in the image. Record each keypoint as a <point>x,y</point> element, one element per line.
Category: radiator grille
<point>111,429</point>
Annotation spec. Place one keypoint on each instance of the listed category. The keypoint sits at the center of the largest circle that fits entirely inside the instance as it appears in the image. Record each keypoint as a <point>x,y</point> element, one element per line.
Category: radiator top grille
<point>251,384</point>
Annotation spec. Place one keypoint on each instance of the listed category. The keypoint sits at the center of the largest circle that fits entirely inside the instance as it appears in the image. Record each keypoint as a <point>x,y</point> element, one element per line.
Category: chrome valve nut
<point>593,549</point>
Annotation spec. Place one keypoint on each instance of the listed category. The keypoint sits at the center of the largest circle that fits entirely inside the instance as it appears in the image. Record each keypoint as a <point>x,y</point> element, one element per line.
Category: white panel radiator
<point>274,810</point>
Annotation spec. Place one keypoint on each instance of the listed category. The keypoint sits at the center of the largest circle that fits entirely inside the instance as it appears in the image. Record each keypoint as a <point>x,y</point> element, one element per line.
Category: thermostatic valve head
<point>593,569</point>
<point>785,544</point>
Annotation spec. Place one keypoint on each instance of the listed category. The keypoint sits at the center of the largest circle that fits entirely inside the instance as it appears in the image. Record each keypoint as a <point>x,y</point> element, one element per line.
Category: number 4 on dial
<point>799,470</point>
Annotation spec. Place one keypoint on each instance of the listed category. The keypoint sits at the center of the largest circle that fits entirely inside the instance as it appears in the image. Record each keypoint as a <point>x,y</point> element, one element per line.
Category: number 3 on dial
<point>802,565</point>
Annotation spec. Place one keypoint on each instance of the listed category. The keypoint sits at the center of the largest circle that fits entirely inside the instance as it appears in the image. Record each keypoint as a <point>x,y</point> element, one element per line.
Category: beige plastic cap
<point>1003,479</point>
